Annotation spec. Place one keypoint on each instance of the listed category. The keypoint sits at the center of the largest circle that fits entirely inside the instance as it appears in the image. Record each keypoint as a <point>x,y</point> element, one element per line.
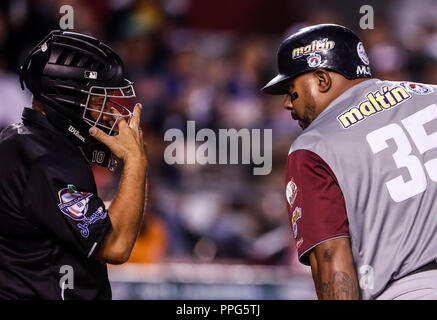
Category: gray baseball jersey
<point>379,138</point>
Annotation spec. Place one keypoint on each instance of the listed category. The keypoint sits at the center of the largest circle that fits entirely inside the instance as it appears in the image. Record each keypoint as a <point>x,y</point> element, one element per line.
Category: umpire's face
<point>301,99</point>
<point>95,106</point>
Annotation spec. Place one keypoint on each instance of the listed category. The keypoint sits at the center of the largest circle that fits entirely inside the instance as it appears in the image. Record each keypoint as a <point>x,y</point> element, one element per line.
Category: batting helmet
<point>329,46</point>
<point>65,71</point>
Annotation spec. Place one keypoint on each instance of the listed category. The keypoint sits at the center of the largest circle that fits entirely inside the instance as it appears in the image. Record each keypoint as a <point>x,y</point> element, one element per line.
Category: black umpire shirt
<point>51,220</point>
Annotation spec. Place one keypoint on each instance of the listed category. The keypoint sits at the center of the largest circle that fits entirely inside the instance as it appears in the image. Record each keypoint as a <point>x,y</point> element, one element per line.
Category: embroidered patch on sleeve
<point>74,204</point>
<point>291,192</point>
<point>297,214</point>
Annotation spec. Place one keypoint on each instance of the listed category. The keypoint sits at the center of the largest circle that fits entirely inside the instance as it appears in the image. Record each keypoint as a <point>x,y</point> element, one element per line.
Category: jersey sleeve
<point>62,202</point>
<point>315,202</point>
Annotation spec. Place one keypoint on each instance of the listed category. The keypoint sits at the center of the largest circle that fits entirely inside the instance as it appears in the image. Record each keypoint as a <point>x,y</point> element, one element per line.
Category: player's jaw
<point>300,102</point>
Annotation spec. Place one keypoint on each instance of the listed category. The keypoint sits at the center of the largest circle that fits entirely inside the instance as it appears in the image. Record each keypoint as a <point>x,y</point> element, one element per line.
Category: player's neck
<point>338,89</point>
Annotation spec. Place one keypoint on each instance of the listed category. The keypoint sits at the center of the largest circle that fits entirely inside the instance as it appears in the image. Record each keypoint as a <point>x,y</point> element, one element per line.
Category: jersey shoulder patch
<point>74,204</point>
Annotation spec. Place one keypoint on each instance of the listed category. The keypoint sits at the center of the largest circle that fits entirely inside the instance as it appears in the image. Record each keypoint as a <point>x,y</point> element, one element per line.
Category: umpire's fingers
<point>119,119</point>
<point>134,122</point>
<point>99,135</point>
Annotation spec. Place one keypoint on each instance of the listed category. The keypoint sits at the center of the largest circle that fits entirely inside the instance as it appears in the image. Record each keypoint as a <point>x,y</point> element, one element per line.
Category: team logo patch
<point>362,53</point>
<point>90,74</point>
<point>74,204</point>
<point>297,214</point>
<point>291,192</point>
<point>314,60</point>
<point>417,88</point>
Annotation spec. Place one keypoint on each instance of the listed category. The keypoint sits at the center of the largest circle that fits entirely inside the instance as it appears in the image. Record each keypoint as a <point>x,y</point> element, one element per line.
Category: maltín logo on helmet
<point>315,46</point>
<point>73,203</point>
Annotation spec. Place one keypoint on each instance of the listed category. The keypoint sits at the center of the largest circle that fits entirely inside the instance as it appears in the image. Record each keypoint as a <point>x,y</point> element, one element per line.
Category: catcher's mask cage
<point>111,101</point>
<point>81,83</point>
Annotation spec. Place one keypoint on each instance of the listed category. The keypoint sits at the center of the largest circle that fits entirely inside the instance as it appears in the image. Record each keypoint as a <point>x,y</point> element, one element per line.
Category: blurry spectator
<point>151,245</point>
<point>13,100</point>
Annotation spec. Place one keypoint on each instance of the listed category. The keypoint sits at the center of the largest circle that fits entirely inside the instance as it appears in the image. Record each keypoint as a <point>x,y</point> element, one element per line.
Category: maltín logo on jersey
<point>376,102</point>
<point>417,88</point>
<point>73,203</point>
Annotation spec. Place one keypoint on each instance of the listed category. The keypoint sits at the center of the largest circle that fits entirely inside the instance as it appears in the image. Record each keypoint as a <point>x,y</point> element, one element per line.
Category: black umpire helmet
<point>329,46</point>
<point>65,71</point>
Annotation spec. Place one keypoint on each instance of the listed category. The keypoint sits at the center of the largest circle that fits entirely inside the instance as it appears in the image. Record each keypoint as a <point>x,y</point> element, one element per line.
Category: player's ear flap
<point>324,80</point>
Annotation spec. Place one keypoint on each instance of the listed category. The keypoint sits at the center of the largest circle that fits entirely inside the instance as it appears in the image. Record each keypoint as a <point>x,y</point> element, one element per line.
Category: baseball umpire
<point>361,179</point>
<point>52,217</point>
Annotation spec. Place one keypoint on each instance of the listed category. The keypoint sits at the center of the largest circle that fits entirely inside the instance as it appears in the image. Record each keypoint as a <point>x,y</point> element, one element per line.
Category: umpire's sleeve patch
<point>74,204</point>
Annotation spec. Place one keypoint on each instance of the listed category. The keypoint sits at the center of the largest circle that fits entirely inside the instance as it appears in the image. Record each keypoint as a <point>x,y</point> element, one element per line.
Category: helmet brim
<point>277,86</point>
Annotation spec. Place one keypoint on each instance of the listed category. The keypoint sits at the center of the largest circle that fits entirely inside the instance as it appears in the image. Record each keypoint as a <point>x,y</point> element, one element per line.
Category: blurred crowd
<point>187,68</point>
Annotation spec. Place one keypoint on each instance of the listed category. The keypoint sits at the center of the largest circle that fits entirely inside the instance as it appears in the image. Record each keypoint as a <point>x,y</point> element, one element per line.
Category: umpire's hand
<point>128,144</point>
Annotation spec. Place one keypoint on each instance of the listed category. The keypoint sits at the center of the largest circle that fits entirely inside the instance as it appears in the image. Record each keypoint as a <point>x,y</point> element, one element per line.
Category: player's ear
<point>323,80</point>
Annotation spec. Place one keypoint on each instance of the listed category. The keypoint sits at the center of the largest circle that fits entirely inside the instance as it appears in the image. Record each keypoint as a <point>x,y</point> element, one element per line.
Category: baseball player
<point>362,177</point>
<point>53,220</point>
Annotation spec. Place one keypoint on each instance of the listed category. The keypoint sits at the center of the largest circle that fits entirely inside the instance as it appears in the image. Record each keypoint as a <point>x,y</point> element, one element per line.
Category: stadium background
<point>216,231</point>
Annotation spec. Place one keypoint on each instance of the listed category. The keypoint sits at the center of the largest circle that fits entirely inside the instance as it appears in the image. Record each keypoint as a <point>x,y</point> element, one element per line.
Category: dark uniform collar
<point>36,118</point>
